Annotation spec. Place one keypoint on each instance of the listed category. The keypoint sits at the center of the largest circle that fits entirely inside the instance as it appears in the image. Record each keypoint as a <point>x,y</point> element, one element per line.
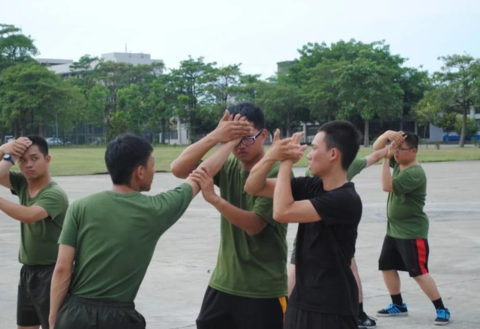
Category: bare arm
<point>285,208</point>
<point>389,135</point>
<point>61,278</point>
<point>376,156</point>
<point>387,184</point>
<point>5,167</point>
<point>227,130</point>
<point>248,221</point>
<point>257,183</point>
<point>27,215</point>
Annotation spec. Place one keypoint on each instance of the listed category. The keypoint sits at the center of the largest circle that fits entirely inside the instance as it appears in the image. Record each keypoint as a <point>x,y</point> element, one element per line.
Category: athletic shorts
<point>301,319</point>
<point>33,301</point>
<point>224,311</point>
<point>82,313</point>
<point>409,255</point>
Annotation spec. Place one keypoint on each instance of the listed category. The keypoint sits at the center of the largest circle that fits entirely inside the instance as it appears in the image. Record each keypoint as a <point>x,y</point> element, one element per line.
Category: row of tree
<point>346,80</point>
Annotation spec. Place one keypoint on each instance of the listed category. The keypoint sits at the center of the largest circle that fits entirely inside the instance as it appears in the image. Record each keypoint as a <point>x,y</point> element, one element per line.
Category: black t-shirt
<point>324,280</point>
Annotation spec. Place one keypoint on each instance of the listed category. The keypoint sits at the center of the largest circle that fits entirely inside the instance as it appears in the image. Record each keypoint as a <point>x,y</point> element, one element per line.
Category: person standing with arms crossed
<point>41,212</point>
<point>405,247</point>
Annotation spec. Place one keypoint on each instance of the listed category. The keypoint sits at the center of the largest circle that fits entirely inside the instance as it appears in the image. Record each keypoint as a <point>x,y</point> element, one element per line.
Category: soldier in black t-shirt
<point>329,211</point>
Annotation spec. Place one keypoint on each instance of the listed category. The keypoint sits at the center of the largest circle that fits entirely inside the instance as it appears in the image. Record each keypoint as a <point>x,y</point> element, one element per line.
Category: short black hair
<point>344,136</point>
<point>124,154</point>
<point>254,113</point>
<point>411,139</point>
<point>40,142</point>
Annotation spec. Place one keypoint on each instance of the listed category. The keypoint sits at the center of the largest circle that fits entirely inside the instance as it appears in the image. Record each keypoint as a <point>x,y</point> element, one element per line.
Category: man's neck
<point>409,164</point>
<point>334,179</point>
<point>124,189</point>
<point>38,184</point>
<point>247,166</point>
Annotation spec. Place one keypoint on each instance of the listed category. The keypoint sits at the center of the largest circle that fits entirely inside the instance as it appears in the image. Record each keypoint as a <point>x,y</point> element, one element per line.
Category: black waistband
<point>38,267</point>
<point>99,303</point>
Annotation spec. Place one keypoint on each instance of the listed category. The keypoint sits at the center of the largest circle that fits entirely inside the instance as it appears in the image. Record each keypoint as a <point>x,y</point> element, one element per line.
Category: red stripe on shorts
<point>422,255</point>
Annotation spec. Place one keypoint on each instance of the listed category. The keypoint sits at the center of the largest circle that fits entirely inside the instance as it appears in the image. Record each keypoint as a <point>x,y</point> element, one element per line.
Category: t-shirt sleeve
<point>70,228</point>
<point>53,201</point>
<point>172,204</point>
<point>335,207</point>
<point>407,181</point>
<point>17,180</point>
<point>356,167</point>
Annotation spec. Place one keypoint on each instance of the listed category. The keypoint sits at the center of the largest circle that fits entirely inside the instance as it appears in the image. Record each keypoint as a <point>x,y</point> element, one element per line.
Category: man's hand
<point>396,137</point>
<point>230,128</point>
<point>17,147</point>
<point>286,149</point>
<point>202,178</point>
<point>391,151</point>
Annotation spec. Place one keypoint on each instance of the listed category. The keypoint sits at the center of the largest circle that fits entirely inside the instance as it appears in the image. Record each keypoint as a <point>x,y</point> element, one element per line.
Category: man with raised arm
<point>405,247</point>
<point>248,287</point>
<point>329,211</point>
<point>108,241</point>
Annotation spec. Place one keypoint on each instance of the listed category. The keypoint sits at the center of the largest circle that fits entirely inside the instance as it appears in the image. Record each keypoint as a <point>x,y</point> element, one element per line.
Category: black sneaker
<point>394,310</point>
<point>366,322</point>
<point>443,317</point>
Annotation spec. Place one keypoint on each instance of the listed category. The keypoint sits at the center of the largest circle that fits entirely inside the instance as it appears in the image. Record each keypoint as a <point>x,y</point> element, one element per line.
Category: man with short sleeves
<point>108,241</point>
<point>328,210</point>
<point>357,166</point>
<point>248,286</point>
<point>405,247</point>
<point>41,212</point>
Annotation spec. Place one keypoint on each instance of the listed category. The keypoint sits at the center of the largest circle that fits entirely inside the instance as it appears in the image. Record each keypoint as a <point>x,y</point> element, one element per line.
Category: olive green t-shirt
<point>406,217</point>
<point>249,266</point>
<point>355,168</point>
<point>39,240</point>
<point>114,236</point>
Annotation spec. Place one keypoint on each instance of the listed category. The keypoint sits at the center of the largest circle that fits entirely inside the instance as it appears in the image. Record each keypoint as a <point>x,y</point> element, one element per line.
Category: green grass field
<point>68,161</point>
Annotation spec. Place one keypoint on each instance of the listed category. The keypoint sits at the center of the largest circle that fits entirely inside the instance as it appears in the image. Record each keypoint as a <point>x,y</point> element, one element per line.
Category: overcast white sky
<point>256,33</point>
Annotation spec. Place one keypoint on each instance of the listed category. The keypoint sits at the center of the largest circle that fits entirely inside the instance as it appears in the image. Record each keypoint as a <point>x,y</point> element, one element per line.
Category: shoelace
<point>441,313</point>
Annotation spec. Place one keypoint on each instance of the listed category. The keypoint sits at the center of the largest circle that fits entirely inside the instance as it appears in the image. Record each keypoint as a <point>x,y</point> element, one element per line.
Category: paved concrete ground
<point>172,292</point>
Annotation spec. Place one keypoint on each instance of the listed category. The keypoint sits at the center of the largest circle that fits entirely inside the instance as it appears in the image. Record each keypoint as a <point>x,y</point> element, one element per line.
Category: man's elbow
<point>280,217</point>
<point>249,189</point>
<point>63,269</point>
<point>177,171</point>
<point>388,189</point>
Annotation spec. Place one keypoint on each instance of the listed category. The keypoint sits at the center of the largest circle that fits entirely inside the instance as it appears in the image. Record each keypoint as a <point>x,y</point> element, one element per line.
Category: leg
<point>259,313</point>
<point>428,286</point>
<point>291,279</point>
<point>300,319</point>
<point>392,281</point>
<point>357,278</point>
<point>26,314</point>
<point>39,287</point>
<point>215,311</point>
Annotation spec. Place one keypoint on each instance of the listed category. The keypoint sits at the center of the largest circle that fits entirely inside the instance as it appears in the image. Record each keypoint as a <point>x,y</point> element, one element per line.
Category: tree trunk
<point>163,131</point>
<point>366,135</point>
<point>191,130</point>
<point>425,134</point>
<point>464,128</point>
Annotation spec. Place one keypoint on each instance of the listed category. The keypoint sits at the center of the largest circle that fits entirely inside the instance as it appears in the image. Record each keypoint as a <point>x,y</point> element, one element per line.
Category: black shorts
<point>224,311</point>
<point>301,319</point>
<point>409,255</point>
<point>33,301</point>
<point>81,313</point>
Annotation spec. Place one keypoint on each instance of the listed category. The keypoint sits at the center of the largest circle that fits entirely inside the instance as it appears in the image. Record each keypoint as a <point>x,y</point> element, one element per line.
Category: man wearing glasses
<point>405,247</point>
<point>248,287</point>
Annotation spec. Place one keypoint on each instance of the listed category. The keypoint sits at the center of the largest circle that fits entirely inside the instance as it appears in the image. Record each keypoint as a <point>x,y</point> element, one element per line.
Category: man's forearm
<point>218,159</point>
<point>21,213</point>
<point>59,288</point>
<point>191,156</point>
<point>282,196</point>
<point>243,219</point>
<point>5,166</point>
<point>257,178</point>
<point>386,176</point>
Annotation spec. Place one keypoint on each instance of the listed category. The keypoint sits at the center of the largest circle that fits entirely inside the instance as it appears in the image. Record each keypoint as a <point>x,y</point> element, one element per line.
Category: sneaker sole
<point>441,323</point>
<point>392,315</point>
<point>366,327</point>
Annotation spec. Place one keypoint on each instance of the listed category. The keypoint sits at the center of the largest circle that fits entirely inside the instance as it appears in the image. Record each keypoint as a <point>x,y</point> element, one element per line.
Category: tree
<point>15,47</point>
<point>471,128</point>
<point>282,103</point>
<point>248,89</point>
<point>368,89</point>
<point>131,102</point>
<point>192,80</point>
<point>31,95</point>
<point>458,83</point>
<point>161,102</point>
